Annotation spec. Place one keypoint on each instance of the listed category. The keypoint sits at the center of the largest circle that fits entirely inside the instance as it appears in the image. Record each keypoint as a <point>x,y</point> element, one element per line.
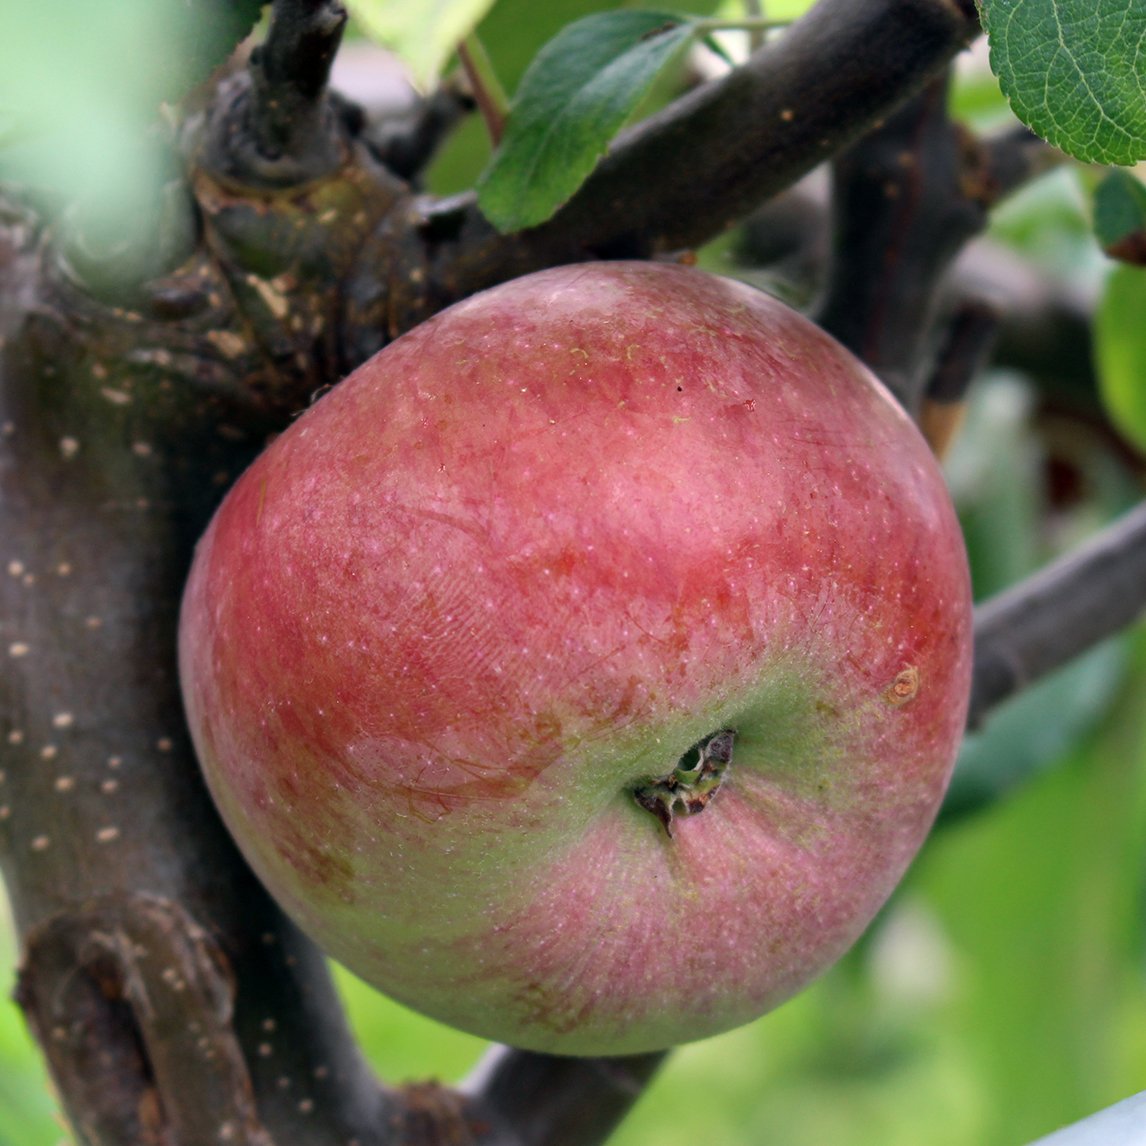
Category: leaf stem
<point>488,93</point>
<point>754,9</point>
<point>744,24</point>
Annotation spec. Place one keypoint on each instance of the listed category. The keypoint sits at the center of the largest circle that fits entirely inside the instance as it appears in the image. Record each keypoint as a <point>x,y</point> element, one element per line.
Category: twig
<point>485,87</point>
<point>970,338</point>
<point>1051,617</point>
<point>1001,164</point>
<point>755,10</point>
<point>544,1100</point>
<point>277,127</point>
<point>406,142</point>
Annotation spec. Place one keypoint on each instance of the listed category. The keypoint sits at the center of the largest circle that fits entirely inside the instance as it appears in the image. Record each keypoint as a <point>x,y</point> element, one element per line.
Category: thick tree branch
<point>906,200</point>
<point>1043,622</point>
<point>685,175</point>
<point>899,218</point>
<point>712,156</point>
<point>798,99</point>
<point>145,938</point>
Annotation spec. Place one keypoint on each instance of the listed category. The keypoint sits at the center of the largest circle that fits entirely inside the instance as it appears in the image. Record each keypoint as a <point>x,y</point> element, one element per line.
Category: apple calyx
<point>692,783</point>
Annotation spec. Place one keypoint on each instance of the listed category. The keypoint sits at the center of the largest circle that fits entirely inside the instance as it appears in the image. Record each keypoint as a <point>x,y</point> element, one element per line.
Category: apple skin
<point>501,578</point>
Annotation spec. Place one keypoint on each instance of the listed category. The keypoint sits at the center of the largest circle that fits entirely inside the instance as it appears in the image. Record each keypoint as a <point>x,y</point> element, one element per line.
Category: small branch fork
<point>906,200</point>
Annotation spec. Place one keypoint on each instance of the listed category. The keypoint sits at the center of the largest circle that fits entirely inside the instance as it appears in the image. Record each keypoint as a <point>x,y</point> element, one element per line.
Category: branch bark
<point>906,200</point>
<point>720,151</point>
<point>174,1002</point>
<point>278,128</point>
<point>545,1100</point>
<point>1051,617</point>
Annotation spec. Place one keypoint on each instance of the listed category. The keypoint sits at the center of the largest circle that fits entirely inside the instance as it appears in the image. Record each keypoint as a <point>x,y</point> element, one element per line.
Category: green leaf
<point>1120,347</point>
<point>1073,72</point>
<point>423,33</point>
<point>573,99</point>
<point>1120,217</point>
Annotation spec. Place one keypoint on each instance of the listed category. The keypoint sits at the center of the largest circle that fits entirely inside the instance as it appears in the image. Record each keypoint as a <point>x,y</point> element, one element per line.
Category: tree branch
<point>1044,318</point>
<point>899,217</point>
<point>278,127</point>
<point>713,155</point>
<point>797,100</point>
<point>906,199</point>
<point>545,1100</point>
<point>1051,617</point>
<point>145,938</point>
<point>968,341</point>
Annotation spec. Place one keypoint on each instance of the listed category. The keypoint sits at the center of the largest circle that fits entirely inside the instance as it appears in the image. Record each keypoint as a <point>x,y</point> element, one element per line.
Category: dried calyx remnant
<point>692,783</point>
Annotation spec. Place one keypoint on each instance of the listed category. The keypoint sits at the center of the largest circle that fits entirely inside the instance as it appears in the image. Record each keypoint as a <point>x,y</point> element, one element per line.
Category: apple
<point>585,670</point>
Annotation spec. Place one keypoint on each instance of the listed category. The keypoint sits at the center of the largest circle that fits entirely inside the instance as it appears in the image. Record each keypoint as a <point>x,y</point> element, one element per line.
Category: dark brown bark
<point>906,200</point>
<point>156,970</point>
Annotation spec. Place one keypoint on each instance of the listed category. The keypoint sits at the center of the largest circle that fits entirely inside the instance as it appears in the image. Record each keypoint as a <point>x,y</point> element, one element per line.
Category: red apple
<point>585,670</point>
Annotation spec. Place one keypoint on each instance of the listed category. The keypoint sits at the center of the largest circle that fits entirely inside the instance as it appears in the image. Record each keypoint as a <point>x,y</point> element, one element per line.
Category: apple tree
<point>212,211</point>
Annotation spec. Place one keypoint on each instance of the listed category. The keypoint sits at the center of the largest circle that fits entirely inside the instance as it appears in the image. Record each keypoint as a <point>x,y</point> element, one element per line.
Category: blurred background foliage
<point>1002,992</point>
